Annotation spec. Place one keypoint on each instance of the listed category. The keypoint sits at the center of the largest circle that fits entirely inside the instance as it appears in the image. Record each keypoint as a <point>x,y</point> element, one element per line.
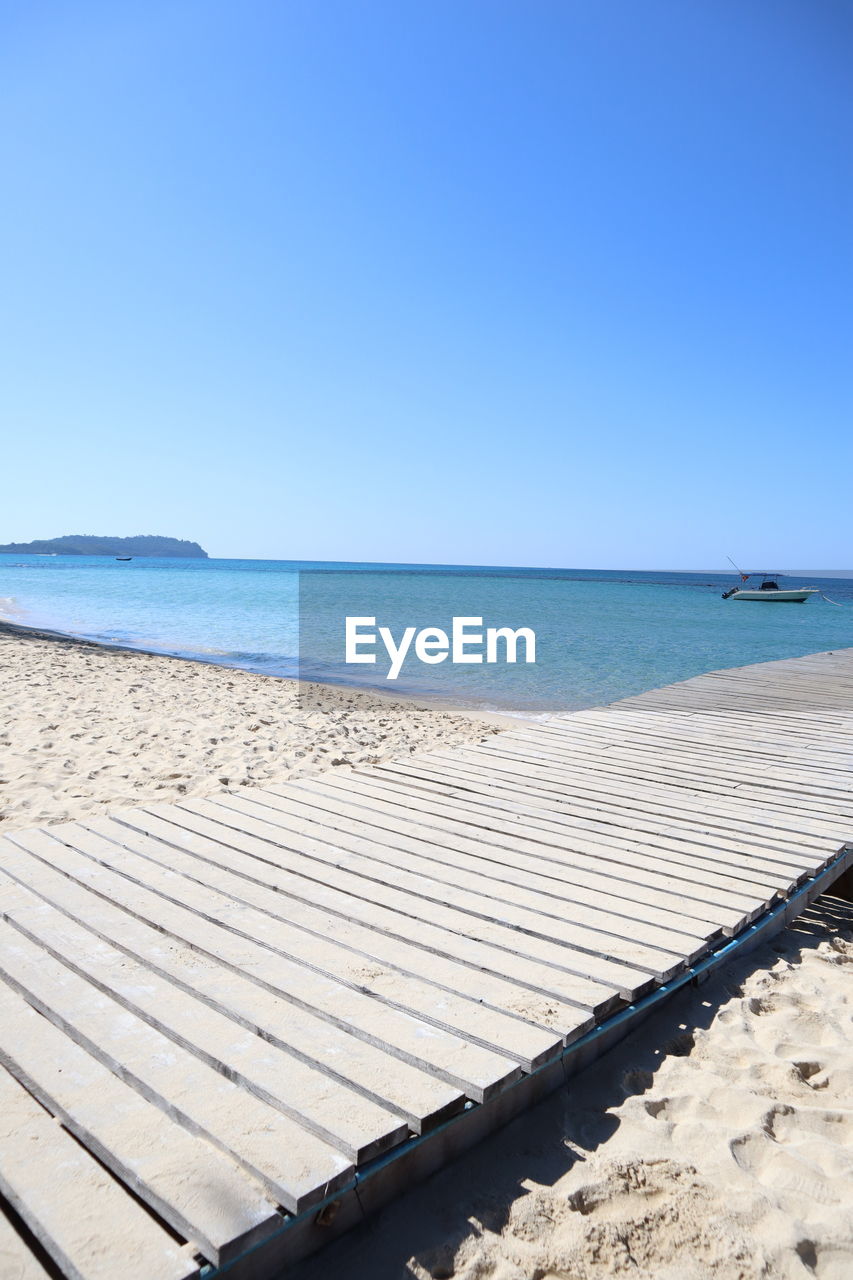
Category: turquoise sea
<point>601,635</point>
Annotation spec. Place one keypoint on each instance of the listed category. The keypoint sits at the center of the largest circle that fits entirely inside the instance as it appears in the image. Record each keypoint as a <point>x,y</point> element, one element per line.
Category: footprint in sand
<point>802,1157</point>
<point>645,1218</point>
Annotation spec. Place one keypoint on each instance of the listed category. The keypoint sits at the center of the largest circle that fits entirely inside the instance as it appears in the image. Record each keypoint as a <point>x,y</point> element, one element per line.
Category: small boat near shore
<point>770,591</point>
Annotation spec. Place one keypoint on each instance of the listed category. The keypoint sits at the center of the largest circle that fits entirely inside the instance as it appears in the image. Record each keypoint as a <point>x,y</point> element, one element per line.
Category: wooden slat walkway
<point>216,1015</point>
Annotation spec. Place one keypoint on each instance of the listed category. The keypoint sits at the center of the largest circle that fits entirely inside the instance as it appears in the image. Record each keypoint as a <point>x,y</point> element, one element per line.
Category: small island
<point>74,544</point>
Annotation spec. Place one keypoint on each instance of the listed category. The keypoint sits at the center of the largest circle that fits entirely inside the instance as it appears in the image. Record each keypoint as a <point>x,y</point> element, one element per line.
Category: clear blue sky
<point>562,283</point>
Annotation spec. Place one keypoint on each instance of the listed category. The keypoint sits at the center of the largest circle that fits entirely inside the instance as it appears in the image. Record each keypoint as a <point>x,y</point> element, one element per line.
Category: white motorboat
<point>769,590</point>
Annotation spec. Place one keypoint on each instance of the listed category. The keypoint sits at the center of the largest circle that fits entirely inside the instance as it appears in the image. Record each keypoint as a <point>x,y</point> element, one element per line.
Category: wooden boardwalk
<point>219,1017</point>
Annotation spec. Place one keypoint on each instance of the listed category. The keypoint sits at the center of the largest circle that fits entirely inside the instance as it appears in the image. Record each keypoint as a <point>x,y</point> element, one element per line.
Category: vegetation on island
<point>80,544</point>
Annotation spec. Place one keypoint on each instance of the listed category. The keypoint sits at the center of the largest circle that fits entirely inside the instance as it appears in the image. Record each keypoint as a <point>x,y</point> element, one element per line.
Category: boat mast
<point>743,576</point>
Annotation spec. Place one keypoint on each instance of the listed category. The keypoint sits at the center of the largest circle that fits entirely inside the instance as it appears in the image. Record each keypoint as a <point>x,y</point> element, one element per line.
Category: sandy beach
<point>85,728</point>
<point>716,1141</point>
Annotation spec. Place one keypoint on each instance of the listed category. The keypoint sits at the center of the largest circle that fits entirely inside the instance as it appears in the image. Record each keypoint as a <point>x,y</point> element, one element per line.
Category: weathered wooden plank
<point>559,830</point>
<point>797,683</point>
<point>610,803</point>
<point>544,909</point>
<point>804,770</point>
<point>760,820</point>
<point>673,770</point>
<point>549,794</point>
<point>203,1195</point>
<point>292,1163</point>
<point>480,790</point>
<point>402,917</point>
<point>480,1072</point>
<point>697,786</point>
<point>741,706</point>
<point>746,697</point>
<point>740,701</point>
<point>720,761</point>
<point>738,705</point>
<point>395,880</point>
<point>368,936</point>
<point>387,827</point>
<point>83,1218</point>
<point>700,731</point>
<point>550,844</point>
<point>800,804</point>
<point>423,1099</point>
<point>334,953</point>
<point>506,886</point>
<point>353,1124</point>
<point>477,892</point>
<point>611,768</point>
<point>17,1260</point>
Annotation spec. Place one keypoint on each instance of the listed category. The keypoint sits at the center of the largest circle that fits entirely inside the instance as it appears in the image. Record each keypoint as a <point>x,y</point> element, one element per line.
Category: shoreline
<point>474,711</point>
<point>86,727</point>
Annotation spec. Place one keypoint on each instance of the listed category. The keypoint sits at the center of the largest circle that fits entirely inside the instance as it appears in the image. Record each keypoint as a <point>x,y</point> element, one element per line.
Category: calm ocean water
<point>601,635</point>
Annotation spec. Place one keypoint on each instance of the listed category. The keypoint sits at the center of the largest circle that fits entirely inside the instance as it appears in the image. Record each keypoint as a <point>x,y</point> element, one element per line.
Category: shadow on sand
<point>478,1191</point>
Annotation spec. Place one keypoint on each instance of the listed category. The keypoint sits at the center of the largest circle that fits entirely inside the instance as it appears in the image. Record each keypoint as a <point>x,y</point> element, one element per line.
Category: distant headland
<point>79,544</point>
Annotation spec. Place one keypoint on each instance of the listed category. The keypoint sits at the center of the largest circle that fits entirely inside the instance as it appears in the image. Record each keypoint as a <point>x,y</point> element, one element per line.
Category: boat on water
<point>124,557</point>
<point>770,591</point>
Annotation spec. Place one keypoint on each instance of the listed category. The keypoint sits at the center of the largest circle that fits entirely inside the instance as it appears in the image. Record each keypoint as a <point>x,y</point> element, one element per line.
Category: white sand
<point>85,728</point>
<point>717,1141</point>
